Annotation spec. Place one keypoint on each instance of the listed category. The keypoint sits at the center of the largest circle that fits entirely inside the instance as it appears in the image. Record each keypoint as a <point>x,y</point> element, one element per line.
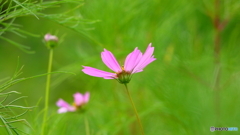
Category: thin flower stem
<point>47,90</point>
<point>87,126</point>
<point>135,110</point>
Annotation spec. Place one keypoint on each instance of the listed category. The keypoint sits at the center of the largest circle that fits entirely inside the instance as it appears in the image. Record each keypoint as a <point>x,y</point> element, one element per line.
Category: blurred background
<point>194,83</point>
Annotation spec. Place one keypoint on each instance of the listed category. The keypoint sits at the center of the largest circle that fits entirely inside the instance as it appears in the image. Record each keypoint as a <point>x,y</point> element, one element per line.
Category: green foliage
<point>176,94</point>
<point>12,9</point>
<point>10,120</point>
<point>8,114</point>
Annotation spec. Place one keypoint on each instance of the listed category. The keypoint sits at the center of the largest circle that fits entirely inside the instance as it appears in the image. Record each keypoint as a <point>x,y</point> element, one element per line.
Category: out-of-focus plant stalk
<point>135,110</point>
<point>217,28</point>
<point>219,25</point>
<point>47,90</point>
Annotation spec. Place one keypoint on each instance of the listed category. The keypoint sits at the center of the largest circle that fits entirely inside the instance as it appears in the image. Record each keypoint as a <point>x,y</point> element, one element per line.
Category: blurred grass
<point>174,94</point>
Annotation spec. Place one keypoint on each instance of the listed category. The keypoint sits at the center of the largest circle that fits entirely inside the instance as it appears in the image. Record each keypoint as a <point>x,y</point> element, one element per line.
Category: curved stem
<point>47,90</point>
<point>135,110</point>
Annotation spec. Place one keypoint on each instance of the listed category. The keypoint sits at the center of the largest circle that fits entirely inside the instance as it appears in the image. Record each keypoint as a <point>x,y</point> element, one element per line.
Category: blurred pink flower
<point>49,37</point>
<point>79,100</point>
<point>134,63</point>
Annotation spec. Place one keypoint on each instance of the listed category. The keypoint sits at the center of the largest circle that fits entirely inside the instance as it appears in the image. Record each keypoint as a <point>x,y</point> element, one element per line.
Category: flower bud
<point>51,41</point>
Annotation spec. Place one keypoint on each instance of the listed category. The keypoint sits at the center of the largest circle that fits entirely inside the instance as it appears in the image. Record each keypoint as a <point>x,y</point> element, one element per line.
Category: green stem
<point>87,126</point>
<point>47,90</point>
<point>135,110</point>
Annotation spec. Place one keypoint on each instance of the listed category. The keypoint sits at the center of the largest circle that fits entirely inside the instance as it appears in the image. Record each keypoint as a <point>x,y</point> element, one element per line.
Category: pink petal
<point>110,61</point>
<point>49,37</point>
<point>62,110</point>
<point>62,103</point>
<point>145,64</point>
<point>86,97</point>
<point>69,109</point>
<point>145,60</point>
<point>64,106</point>
<point>132,60</point>
<point>78,99</point>
<point>98,73</point>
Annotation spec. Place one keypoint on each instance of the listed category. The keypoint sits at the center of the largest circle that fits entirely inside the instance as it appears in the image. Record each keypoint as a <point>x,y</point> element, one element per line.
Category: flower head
<point>79,100</point>
<point>51,40</point>
<point>135,62</point>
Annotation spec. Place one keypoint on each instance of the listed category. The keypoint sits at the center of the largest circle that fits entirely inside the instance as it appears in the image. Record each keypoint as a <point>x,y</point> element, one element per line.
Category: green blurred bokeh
<point>173,95</point>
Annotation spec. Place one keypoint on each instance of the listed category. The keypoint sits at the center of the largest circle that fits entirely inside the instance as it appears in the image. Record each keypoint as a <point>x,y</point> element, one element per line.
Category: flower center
<point>74,105</point>
<point>124,77</point>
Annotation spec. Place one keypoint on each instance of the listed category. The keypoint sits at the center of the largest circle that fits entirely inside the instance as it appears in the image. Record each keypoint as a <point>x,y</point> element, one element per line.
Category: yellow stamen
<point>74,105</point>
<point>122,67</point>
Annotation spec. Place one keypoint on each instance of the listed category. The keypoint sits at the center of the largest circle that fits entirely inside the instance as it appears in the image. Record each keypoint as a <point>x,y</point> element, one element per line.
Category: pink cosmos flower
<point>135,62</point>
<point>79,100</point>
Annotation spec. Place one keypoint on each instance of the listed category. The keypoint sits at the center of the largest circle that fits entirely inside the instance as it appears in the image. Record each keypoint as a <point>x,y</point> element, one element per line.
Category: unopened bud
<point>51,41</point>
